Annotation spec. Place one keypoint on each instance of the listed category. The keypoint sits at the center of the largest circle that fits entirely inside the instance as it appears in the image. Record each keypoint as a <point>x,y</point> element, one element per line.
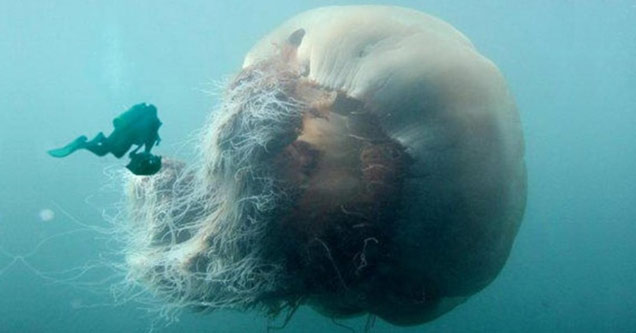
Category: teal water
<point>68,67</point>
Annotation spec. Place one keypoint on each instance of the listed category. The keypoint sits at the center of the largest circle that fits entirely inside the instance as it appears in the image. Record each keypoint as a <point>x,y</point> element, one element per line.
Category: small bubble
<point>47,215</point>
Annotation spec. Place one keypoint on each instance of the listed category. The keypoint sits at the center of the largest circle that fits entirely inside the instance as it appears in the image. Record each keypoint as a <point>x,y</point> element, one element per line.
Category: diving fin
<point>78,143</point>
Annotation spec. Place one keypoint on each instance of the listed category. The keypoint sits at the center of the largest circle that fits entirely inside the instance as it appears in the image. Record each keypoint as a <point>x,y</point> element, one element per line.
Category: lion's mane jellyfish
<point>365,160</point>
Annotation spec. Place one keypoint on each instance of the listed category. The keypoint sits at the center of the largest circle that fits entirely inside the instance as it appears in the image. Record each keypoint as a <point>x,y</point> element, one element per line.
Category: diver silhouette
<point>139,126</point>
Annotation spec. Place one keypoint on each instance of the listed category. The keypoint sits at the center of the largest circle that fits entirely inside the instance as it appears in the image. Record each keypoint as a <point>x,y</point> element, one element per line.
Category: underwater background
<point>68,67</point>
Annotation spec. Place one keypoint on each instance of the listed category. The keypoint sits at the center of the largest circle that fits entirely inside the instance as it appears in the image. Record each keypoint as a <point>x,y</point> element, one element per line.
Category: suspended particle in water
<point>46,215</point>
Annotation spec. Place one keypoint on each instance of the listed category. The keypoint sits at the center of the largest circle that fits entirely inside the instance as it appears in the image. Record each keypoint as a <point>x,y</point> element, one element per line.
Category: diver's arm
<point>134,152</point>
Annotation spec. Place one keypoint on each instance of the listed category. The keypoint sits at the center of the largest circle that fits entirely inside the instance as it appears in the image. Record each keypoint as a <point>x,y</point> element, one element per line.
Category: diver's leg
<point>78,143</point>
<point>99,145</point>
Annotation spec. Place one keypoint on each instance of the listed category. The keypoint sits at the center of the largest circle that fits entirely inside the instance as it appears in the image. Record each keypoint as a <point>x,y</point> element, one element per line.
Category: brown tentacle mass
<point>338,240</point>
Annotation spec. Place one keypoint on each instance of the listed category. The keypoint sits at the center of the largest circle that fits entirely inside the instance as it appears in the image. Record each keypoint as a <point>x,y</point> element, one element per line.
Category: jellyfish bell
<point>366,160</point>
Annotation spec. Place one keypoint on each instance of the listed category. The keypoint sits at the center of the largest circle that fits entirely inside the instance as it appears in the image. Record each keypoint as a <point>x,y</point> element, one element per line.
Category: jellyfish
<point>365,160</point>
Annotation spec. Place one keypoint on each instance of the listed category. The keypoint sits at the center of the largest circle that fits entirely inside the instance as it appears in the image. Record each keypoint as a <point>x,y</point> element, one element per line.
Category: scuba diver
<point>138,126</point>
